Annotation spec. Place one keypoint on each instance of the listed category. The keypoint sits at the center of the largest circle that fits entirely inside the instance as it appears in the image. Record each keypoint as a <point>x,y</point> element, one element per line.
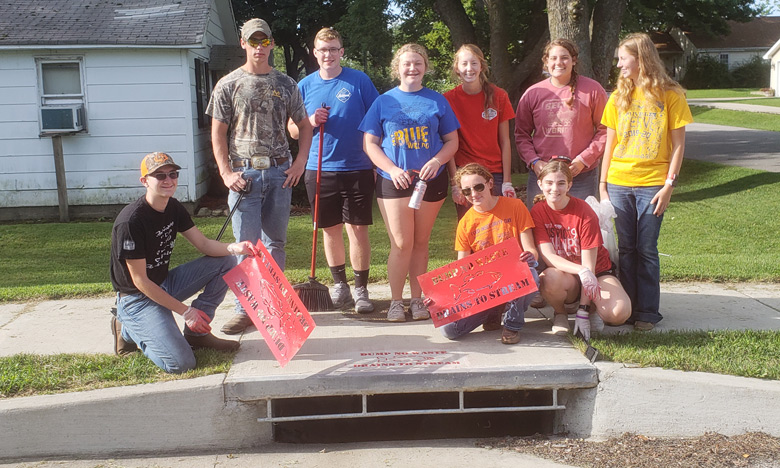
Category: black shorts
<point>436,191</point>
<point>345,196</point>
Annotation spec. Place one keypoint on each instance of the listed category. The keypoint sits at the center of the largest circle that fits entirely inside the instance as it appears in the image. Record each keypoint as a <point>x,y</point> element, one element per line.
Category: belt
<point>257,162</point>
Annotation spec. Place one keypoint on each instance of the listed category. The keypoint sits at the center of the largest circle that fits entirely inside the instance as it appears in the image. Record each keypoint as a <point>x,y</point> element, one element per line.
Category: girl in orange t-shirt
<point>484,111</point>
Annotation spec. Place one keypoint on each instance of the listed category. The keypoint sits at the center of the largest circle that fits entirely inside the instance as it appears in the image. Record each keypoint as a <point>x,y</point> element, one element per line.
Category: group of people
<point>412,141</point>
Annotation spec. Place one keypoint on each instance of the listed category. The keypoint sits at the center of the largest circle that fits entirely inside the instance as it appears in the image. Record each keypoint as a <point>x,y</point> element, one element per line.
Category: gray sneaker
<point>396,313</point>
<point>596,323</point>
<point>341,296</point>
<point>363,304</point>
<point>418,309</point>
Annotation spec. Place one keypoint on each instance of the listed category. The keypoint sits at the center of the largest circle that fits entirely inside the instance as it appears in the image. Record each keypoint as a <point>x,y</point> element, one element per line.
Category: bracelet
<point>602,182</point>
<point>435,159</point>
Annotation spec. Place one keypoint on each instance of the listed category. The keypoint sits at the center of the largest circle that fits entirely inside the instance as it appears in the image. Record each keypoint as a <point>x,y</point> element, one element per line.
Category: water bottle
<point>417,195</point>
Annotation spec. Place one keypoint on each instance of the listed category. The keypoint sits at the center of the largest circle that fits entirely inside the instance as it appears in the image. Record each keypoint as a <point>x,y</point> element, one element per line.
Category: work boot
<point>510,336</point>
<point>363,304</point>
<point>121,347</point>
<point>396,313</point>
<point>341,296</point>
<point>418,309</point>
<point>237,324</point>
<point>643,326</point>
<point>492,322</point>
<point>210,341</point>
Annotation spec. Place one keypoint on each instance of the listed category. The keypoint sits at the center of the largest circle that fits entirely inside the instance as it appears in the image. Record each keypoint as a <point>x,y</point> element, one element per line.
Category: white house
<point>774,59</point>
<point>117,79</point>
<point>745,41</point>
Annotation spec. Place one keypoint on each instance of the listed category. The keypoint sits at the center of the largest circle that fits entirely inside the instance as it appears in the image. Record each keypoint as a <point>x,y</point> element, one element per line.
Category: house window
<point>724,59</point>
<point>202,92</point>
<point>61,93</point>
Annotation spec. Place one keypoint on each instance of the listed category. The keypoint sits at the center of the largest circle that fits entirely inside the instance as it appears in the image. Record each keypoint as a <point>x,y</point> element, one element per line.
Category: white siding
<point>134,105</point>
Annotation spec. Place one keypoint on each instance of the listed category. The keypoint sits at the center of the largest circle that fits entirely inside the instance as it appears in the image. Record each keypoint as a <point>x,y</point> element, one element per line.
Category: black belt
<point>247,163</point>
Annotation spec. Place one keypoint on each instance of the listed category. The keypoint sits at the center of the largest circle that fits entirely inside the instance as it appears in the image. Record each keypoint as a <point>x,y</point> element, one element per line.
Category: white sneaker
<point>341,296</point>
<point>596,323</point>
<point>419,309</point>
<point>396,313</point>
<point>560,324</point>
<point>363,304</point>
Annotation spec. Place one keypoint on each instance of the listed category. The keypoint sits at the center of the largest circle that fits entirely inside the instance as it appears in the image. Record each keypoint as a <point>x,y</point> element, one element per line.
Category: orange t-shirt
<point>477,231</point>
<point>478,132</point>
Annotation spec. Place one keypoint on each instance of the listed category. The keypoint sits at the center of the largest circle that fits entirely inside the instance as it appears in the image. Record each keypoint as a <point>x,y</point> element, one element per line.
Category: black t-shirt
<point>140,231</point>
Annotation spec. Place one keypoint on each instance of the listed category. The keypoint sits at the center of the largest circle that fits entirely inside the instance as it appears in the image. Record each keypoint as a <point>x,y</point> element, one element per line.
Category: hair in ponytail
<point>484,82</point>
<point>571,47</point>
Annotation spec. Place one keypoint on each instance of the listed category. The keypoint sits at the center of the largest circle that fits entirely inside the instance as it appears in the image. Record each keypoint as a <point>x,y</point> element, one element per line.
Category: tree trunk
<point>606,29</point>
<point>570,19</point>
<point>454,16</point>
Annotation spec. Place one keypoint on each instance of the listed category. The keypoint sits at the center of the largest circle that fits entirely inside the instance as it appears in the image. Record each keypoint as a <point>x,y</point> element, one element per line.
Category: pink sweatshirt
<point>545,126</point>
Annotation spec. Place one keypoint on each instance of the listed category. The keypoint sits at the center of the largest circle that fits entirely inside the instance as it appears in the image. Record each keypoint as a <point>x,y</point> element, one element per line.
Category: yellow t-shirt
<point>644,147</point>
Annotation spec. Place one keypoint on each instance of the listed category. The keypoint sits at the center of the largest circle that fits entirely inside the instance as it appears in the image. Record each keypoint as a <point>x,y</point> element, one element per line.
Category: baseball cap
<point>254,25</point>
<point>154,161</point>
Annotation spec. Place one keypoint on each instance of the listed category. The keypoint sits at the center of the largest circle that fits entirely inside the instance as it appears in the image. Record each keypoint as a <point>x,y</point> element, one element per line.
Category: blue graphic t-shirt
<point>349,97</point>
<point>410,126</point>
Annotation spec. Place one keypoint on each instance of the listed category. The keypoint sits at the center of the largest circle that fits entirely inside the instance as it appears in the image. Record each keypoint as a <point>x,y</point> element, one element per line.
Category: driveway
<point>756,149</point>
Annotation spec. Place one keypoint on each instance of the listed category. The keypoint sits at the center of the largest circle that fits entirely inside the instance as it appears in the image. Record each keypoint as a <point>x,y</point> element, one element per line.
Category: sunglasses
<point>467,191</point>
<point>164,175</point>
<point>253,43</point>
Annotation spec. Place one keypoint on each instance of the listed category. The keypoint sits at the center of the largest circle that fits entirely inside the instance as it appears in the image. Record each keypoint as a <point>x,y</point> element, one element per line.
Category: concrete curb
<point>183,415</point>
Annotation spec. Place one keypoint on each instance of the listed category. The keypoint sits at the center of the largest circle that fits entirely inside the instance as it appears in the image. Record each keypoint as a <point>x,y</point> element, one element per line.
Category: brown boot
<point>212,342</point>
<point>510,336</point>
<point>237,324</point>
<point>121,347</point>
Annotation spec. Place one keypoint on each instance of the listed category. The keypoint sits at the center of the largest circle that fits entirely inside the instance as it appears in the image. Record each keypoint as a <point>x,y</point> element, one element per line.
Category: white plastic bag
<point>606,212</point>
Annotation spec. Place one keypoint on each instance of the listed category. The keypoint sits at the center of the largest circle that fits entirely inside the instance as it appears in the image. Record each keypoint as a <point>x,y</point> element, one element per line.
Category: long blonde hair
<point>652,80</point>
<point>571,47</point>
<point>487,88</point>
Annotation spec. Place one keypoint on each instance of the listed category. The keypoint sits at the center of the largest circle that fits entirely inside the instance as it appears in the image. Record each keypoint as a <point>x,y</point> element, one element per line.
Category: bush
<point>706,72</point>
<point>753,73</point>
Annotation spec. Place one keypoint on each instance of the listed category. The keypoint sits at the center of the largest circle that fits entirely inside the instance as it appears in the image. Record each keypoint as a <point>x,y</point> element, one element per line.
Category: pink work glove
<point>582,324</point>
<point>528,258</point>
<point>508,190</point>
<point>242,248</point>
<point>197,320</point>
<point>590,283</point>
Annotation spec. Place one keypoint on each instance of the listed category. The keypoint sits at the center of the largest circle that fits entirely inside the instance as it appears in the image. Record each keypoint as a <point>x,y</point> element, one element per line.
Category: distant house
<point>117,79</point>
<point>774,59</point>
<point>745,41</point>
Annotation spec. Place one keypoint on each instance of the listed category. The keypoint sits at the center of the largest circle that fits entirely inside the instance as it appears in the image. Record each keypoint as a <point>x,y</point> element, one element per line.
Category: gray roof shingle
<point>103,22</point>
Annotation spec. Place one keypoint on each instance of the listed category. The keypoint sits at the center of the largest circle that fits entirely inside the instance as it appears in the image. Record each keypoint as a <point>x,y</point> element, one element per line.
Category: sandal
<point>510,336</point>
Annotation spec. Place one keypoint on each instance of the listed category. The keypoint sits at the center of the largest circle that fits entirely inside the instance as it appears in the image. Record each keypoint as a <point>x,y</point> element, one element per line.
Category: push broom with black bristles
<point>313,294</point>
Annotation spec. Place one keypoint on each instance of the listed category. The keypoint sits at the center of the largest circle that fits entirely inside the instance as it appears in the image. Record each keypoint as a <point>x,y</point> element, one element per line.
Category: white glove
<point>242,248</point>
<point>582,324</point>
<point>197,320</point>
<point>508,190</point>
<point>590,283</point>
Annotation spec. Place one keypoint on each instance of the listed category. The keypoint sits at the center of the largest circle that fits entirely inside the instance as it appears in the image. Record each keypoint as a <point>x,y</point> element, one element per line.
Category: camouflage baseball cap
<point>154,161</point>
<point>255,25</point>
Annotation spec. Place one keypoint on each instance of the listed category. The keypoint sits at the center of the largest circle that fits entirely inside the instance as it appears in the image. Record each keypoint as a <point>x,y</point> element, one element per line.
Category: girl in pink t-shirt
<point>579,270</point>
<point>561,117</point>
<point>484,111</point>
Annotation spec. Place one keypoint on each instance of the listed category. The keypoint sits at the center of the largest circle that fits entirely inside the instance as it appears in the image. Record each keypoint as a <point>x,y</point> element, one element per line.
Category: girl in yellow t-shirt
<point>645,119</point>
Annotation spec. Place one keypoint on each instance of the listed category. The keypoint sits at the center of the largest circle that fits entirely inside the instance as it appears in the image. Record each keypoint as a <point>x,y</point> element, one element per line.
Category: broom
<point>313,294</point>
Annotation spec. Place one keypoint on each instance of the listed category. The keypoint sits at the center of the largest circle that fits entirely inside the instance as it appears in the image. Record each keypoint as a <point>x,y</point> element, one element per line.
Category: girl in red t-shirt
<point>484,111</point>
<point>579,270</point>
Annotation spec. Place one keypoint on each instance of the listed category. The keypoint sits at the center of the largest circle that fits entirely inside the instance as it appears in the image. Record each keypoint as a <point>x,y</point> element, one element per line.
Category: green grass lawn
<point>720,93</point>
<point>754,120</point>
<point>716,229</point>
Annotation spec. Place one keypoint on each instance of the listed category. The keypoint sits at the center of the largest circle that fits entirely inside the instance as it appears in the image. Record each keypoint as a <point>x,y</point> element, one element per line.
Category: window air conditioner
<point>62,118</point>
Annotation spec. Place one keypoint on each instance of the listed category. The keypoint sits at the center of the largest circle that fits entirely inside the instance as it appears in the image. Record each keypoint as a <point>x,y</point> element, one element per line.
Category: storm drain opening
<point>409,416</point>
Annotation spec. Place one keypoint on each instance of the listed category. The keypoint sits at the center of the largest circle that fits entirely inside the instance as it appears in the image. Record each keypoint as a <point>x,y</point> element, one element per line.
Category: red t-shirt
<point>570,231</point>
<point>478,132</point>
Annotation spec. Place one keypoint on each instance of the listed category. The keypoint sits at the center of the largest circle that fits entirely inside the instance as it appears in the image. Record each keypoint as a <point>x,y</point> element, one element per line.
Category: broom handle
<point>317,201</point>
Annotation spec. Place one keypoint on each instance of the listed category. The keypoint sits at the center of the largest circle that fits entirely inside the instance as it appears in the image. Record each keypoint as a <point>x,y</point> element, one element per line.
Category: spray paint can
<point>417,195</point>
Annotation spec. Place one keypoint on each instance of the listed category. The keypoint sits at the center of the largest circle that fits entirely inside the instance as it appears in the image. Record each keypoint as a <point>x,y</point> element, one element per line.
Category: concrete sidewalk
<point>82,325</point>
<point>719,104</point>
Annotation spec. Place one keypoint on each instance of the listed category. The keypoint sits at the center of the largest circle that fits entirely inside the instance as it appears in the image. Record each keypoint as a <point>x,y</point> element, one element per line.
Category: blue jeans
<point>152,326</point>
<point>263,213</point>
<point>637,233</point>
<point>498,179</point>
<point>582,186</point>
<point>514,319</point>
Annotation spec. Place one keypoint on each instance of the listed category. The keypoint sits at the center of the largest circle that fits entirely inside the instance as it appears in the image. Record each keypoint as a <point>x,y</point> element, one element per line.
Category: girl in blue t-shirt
<point>410,133</point>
